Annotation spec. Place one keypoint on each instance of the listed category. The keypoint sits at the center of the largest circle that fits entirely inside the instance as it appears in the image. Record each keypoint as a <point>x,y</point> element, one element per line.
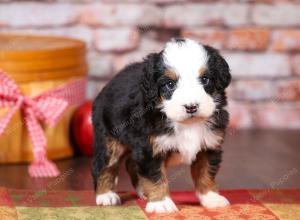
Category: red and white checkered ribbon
<point>47,107</point>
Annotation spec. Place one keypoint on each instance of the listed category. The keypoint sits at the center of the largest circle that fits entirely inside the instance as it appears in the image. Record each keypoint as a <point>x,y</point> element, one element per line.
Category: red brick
<point>116,39</point>
<point>121,14</point>
<point>296,64</point>
<point>27,14</point>
<point>205,14</point>
<point>251,38</point>
<point>275,116</point>
<point>212,37</point>
<point>288,90</point>
<point>255,65</point>
<point>120,61</point>
<point>276,15</point>
<point>286,40</point>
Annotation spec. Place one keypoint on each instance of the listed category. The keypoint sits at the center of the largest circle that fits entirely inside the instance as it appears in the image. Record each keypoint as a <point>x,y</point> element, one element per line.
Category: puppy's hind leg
<point>106,163</point>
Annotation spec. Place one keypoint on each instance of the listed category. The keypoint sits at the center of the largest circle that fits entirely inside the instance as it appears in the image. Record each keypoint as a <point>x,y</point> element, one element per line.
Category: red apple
<point>82,128</point>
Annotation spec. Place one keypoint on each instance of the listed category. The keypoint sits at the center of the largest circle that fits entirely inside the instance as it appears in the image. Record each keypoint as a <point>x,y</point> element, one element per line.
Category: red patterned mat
<point>54,205</point>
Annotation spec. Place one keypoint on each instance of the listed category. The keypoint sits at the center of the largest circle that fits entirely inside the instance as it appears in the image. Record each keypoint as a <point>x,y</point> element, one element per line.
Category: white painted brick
<point>116,39</point>
<point>26,14</point>
<point>206,14</point>
<point>121,61</point>
<point>151,45</point>
<point>120,14</point>
<point>240,114</point>
<point>94,87</point>
<point>100,65</point>
<point>235,14</point>
<point>258,65</point>
<point>252,90</point>
<point>277,15</point>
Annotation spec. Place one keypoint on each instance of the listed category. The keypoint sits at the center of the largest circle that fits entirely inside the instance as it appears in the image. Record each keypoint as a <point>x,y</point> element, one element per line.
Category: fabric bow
<point>43,108</point>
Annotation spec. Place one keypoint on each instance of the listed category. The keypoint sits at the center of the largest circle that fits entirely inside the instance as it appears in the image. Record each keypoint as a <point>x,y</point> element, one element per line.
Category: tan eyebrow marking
<point>171,75</point>
<point>201,71</point>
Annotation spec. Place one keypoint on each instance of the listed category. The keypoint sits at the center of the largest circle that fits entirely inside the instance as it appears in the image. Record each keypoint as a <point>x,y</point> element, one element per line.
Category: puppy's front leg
<point>157,193</point>
<point>204,170</point>
<point>153,184</point>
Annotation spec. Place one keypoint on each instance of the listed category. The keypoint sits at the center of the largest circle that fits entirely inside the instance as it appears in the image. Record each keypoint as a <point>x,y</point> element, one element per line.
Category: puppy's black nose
<point>191,108</point>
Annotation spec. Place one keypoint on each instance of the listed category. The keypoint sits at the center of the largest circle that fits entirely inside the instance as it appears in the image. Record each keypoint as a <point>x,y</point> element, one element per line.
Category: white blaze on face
<point>186,59</point>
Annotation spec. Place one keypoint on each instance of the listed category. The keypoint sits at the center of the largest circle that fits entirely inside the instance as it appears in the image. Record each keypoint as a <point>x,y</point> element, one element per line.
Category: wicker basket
<point>39,64</point>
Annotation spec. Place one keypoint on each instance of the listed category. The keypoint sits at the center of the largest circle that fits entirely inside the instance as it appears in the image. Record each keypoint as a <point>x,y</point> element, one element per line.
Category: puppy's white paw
<point>109,198</point>
<point>165,205</point>
<point>213,200</point>
<point>139,192</point>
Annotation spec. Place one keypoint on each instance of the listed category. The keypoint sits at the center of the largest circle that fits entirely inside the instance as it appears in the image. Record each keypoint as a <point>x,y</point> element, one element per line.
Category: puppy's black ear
<point>151,72</point>
<point>218,68</point>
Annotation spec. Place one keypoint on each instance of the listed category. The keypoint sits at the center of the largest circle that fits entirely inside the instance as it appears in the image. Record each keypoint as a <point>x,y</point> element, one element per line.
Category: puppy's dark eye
<point>170,85</point>
<point>204,80</point>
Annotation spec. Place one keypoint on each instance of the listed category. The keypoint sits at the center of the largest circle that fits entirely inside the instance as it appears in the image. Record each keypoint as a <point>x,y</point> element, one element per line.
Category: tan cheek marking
<point>201,71</point>
<point>200,174</point>
<point>155,191</point>
<point>106,180</point>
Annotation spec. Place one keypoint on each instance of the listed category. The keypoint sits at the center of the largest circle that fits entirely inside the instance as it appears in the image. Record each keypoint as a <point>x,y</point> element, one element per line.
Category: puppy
<point>166,109</point>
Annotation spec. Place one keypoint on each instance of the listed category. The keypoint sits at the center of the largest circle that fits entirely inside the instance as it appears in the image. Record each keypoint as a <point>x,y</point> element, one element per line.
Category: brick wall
<point>259,38</point>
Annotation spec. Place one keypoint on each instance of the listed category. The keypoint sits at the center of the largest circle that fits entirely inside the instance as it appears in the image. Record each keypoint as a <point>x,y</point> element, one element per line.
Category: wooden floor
<point>252,159</point>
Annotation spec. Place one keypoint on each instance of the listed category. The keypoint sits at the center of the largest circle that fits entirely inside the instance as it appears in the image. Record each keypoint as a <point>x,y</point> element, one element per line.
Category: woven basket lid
<point>41,57</point>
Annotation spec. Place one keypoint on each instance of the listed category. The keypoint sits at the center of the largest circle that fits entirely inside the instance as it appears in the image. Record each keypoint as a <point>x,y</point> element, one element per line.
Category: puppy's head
<point>188,80</point>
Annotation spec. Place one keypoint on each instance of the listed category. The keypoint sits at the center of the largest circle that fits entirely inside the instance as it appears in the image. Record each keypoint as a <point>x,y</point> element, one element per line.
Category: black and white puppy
<point>165,110</point>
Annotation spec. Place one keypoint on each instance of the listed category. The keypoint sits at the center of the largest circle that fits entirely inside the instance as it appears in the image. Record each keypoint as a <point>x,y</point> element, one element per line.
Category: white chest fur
<point>188,140</point>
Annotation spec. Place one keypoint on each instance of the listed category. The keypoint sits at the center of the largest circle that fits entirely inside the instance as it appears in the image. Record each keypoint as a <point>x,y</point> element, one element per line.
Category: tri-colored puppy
<point>169,106</point>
